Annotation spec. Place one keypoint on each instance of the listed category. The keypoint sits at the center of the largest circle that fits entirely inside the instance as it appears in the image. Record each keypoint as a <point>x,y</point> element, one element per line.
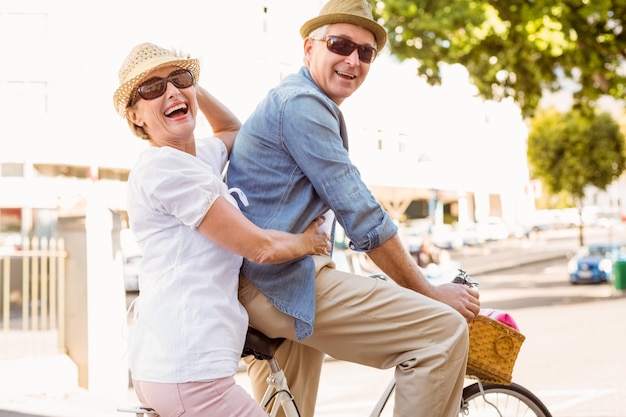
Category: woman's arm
<point>224,123</point>
<point>225,225</point>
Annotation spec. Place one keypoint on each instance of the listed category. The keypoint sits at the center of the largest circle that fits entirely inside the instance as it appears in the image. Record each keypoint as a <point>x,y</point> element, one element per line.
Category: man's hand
<point>462,298</point>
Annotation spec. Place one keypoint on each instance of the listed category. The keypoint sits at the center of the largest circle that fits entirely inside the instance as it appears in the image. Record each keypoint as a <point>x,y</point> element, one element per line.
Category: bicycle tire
<point>511,400</point>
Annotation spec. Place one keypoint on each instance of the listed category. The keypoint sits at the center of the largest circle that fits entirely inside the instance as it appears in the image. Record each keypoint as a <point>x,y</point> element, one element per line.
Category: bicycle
<point>479,399</point>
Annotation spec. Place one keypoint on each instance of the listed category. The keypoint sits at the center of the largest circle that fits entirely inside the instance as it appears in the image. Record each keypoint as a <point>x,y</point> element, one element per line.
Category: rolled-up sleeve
<point>318,143</point>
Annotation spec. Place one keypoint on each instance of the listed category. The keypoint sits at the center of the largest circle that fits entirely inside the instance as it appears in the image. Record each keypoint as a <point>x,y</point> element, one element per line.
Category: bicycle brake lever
<point>463,278</point>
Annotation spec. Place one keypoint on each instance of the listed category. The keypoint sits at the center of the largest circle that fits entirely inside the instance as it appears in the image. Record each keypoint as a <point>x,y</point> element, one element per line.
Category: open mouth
<point>178,110</point>
<point>345,75</point>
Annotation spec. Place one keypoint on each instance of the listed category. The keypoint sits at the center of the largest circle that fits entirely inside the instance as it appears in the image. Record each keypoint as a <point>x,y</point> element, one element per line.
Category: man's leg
<point>378,323</point>
<point>301,364</point>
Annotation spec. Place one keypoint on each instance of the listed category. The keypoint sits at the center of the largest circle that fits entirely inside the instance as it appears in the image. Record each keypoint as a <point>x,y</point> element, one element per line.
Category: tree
<point>515,48</point>
<point>570,151</point>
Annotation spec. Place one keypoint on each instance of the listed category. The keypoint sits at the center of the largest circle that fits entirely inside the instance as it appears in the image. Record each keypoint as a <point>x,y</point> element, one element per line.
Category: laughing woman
<point>189,327</point>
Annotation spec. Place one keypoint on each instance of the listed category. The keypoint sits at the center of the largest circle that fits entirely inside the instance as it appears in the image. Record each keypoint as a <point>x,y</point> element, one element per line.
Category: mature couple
<point>208,270</point>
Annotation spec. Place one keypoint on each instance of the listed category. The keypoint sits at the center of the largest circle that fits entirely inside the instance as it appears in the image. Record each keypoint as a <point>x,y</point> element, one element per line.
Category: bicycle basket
<point>493,350</point>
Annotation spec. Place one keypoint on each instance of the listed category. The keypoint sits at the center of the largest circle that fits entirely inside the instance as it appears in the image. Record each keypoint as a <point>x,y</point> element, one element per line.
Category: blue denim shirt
<point>291,161</point>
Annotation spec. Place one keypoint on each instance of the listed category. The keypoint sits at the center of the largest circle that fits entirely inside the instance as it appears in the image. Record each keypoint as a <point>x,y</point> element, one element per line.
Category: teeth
<point>345,74</point>
<point>181,106</point>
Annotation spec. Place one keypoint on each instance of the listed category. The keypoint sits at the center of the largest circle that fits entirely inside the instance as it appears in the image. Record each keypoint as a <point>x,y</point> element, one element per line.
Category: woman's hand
<point>318,240</point>
<point>263,246</point>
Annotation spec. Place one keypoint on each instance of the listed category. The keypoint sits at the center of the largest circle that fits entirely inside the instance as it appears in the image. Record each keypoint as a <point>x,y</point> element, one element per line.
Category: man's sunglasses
<point>345,47</point>
<point>155,87</point>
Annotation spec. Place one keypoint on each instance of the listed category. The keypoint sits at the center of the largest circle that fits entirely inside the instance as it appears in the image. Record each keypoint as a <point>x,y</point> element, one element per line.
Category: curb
<point>512,263</point>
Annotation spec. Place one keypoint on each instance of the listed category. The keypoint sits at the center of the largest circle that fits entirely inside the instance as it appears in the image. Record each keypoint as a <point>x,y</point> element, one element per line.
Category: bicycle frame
<point>383,399</point>
<point>278,391</point>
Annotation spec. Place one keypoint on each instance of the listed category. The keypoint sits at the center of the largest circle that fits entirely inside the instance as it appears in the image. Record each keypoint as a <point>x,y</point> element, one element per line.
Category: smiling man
<point>291,161</point>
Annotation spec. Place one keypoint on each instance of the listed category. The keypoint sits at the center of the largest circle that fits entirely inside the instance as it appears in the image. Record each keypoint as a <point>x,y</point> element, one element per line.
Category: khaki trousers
<point>371,322</point>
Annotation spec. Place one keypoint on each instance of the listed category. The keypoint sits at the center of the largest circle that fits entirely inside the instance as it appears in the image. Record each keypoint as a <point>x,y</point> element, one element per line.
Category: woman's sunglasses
<point>345,47</point>
<point>155,87</point>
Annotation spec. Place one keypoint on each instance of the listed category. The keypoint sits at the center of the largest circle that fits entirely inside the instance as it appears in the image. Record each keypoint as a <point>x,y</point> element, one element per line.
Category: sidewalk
<point>47,385</point>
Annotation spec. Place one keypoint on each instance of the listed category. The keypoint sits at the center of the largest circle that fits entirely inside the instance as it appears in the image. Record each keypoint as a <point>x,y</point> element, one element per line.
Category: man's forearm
<point>395,261</point>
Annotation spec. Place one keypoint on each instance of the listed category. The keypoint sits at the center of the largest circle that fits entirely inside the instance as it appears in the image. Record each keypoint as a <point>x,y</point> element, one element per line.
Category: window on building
<point>56,170</point>
<point>75,171</point>
<point>10,220</point>
<point>11,170</point>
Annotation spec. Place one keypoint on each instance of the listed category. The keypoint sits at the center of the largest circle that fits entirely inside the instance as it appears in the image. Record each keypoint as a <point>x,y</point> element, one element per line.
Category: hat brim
<point>379,32</point>
<point>122,95</point>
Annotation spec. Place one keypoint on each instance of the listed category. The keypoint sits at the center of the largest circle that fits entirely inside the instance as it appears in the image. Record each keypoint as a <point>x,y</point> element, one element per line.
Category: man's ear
<point>308,45</point>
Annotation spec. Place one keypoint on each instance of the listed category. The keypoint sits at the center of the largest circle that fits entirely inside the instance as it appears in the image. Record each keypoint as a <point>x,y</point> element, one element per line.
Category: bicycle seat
<point>259,345</point>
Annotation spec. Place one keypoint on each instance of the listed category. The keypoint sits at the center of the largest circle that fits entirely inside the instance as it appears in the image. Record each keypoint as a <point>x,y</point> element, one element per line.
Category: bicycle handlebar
<point>463,278</point>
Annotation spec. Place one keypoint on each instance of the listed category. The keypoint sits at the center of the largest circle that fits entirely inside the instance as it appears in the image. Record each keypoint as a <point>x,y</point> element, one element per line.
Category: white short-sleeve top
<point>189,324</point>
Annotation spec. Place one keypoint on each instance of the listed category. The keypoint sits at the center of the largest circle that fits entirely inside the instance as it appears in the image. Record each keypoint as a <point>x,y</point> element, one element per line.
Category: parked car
<point>131,258</point>
<point>593,264</point>
<point>10,242</point>
<point>131,273</point>
<point>472,234</point>
<point>445,236</point>
<point>494,229</point>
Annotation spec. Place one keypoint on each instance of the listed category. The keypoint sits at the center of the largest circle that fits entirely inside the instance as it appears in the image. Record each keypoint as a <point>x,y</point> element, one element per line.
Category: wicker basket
<point>493,349</point>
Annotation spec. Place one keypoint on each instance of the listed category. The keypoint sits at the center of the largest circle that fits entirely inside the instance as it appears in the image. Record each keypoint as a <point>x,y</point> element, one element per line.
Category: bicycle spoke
<point>492,400</point>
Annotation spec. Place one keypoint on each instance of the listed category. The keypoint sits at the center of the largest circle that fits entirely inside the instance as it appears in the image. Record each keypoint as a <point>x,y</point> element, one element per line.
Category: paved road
<point>573,356</point>
<point>555,244</point>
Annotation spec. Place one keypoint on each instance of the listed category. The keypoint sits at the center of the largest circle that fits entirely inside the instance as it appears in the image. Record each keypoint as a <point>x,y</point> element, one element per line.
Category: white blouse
<point>189,324</point>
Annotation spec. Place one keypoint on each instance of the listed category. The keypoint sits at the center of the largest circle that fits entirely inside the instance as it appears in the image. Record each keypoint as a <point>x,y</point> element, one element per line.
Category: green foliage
<point>573,150</point>
<point>514,48</point>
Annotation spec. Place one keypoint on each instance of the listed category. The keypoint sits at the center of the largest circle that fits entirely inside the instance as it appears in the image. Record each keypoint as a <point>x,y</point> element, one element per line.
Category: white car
<point>131,273</point>
<point>445,236</point>
<point>494,228</point>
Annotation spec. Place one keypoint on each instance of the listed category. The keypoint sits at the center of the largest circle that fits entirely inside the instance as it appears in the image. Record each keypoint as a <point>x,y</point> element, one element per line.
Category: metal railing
<point>32,288</point>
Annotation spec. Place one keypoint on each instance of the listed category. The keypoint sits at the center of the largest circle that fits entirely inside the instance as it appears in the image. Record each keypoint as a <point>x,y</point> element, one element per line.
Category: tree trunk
<point>581,226</point>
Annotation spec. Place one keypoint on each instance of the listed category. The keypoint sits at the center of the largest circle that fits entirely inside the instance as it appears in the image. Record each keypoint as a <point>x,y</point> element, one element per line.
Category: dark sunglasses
<point>155,87</point>
<point>345,47</point>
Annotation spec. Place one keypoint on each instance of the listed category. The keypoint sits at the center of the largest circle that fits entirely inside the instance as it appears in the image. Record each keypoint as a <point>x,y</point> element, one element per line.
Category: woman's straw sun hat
<point>139,62</point>
<point>356,12</point>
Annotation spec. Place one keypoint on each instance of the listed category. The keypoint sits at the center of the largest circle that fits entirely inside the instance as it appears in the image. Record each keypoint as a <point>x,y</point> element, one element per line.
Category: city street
<point>573,358</point>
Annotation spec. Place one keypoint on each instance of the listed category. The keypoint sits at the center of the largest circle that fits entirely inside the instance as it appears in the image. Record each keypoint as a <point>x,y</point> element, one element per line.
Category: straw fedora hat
<point>356,12</point>
<point>140,61</point>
